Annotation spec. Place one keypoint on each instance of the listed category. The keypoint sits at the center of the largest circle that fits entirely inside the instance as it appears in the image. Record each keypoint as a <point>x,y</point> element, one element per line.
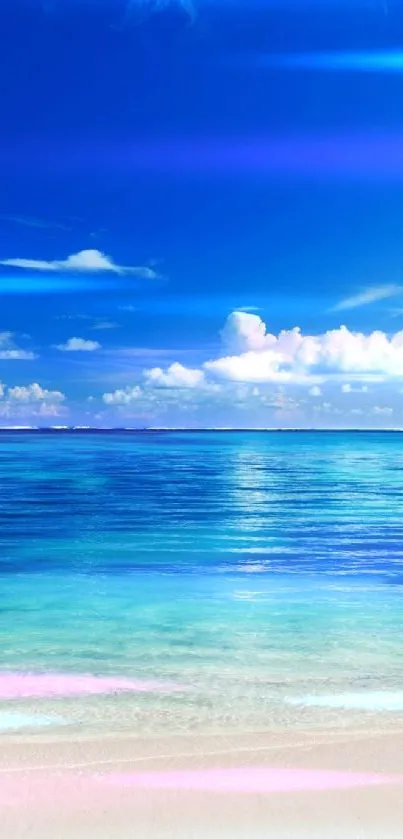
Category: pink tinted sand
<point>46,685</point>
<point>274,785</point>
<point>44,788</point>
<point>266,780</point>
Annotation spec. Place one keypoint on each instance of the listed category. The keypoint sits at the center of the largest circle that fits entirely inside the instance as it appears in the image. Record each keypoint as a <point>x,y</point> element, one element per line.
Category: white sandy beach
<point>84,788</point>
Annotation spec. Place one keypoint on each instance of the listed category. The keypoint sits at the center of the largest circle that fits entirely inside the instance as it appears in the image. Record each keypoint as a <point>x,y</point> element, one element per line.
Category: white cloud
<point>176,376</point>
<point>17,355</point>
<point>280,402</point>
<point>9,351</point>
<point>5,338</point>
<point>34,393</point>
<point>254,367</point>
<point>244,331</point>
<point>347,388</point>
<point>86,261</point>
<point>23,401</point>
<point>293,357</point>
<point>123,396</point>
<point>97,323</point>
<point>30,410</point>
<point>79,345</point>
<point>47,409</point>
<point>382,411</point>
<point>260,372</point>
<point>36,222</point>
<point>368,295</point>
<point>105,324</point>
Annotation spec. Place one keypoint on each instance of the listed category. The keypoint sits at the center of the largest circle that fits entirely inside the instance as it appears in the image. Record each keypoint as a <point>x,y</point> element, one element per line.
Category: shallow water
<point>260,573</point>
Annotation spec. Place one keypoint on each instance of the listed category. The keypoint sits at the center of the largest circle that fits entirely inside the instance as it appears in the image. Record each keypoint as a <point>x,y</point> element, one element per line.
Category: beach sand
<point>274,785</point>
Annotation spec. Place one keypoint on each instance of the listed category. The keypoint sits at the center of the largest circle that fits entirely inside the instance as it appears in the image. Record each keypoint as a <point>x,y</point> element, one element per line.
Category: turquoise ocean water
<point>260,572</point>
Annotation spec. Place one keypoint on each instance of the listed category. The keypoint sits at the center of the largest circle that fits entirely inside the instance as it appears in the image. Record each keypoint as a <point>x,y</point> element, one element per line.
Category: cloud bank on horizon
<point>256,378</point>
<point>259,378</point>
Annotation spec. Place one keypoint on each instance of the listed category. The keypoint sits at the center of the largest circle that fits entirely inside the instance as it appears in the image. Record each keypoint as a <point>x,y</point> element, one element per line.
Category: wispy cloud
<point>77,316</point>
<point>87,261</point>
<point>35,222</point>
<point>97,323</point>
<point>367,296</point>
<point>105,324</point>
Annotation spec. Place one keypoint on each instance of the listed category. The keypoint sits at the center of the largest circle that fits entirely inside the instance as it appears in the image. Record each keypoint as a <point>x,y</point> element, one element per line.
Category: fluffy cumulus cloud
<point>255,355</point>
<point>87,261</point>
<point>34,393</point>
<point>123,396</point>
<point>31,402</point>
<point>258,355</point>
<point>286,376</point>
<point>261,367</point>
<point>79,345</point>
<point>176,376</point>
<point>244,331</point>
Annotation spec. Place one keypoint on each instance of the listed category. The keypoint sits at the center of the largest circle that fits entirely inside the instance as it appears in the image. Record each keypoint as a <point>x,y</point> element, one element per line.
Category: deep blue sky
<point>164,140</point>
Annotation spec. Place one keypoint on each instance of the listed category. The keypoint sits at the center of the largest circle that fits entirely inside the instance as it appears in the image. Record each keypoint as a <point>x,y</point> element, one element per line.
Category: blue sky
<point>182,188</point>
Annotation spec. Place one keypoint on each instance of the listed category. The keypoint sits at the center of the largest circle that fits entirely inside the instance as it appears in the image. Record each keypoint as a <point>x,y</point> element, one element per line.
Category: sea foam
<point>373,701</point>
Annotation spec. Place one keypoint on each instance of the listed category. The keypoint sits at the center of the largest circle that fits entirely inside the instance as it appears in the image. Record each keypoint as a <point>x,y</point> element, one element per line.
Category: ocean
<point>200,582</point>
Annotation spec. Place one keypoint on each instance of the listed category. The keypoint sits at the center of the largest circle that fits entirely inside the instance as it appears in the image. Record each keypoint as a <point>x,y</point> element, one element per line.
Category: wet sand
<point>267,785</point>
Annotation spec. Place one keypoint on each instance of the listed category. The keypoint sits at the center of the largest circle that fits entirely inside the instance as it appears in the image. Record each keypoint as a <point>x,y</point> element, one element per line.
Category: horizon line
<point>169,429</point>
